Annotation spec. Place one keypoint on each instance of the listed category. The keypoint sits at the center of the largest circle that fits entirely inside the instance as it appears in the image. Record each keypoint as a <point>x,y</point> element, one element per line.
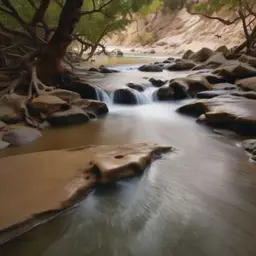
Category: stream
<point>198,200</point>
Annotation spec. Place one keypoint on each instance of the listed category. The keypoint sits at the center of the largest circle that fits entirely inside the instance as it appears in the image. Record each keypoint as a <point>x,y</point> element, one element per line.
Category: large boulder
<point>180,65</point>
<point>50,181</point>
<point>150,68</point>
<point>105,70</point>
<point>223,49</point>
<point>125,96</point>
<point>247,84</point>
<point>47,104</point>
<point>233,70</point>
<point>137,87</point>
<point>215,60</point>
<point>3,144</point>
<point>20,136</point>
<point>85,90</point>
<point>92,106</point>
<point>187,54</point>
<point>182,88</point>
<point>9,115</point>
<point>157,82</point>
<point>230,112</point>
<point>74,115</point>
<point>202,55</point>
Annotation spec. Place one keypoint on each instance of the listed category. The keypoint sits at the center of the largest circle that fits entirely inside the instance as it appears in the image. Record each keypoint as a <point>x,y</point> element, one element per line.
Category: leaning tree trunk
<point>49,58</point>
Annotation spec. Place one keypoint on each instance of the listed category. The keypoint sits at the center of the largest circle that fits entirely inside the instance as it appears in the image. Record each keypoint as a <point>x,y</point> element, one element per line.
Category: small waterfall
<point>133,97</point>
<point>102,95</point>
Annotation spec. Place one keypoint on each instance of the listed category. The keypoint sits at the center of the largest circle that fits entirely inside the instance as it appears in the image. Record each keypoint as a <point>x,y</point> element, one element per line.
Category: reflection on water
<point>199,200</point>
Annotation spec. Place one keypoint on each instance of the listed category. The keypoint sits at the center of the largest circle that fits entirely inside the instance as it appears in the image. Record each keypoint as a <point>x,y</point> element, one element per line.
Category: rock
<point>250,147</point>
<point>247,84</point>
<point>223,49</point>
<point>133,50</point>
<point>2,125</point>
<point>151,68</point>
<point>235,70</point>
<point>9,115</point>
<point>85,90</point>
<point>206,76</point>
<point>180,65</point>
<point>162,43</point>
<point>165,93</point>
<point>137,87</point>
<point>152,51</point>
<point>65,95</point>
<point>93,70</point>
<point>187,54</point>
<point>230,112</point>
<point>119,53</point>
<point>105,70</point>
<point>50,181</point>
<point>72,116</point>
<point>211,94</point>
<point>92,106</point>
<point>21,136</point>
<point>157,82</point>
<point>224,86</point>
<point>215,60</point>
<point>248,59</point>
<point>182,88</point>
<point>202,55</point>
<point>3,144</point>
<point>200,67</point>
<point>248,95</point>
<point>46,104</point>
<point>125,96</point>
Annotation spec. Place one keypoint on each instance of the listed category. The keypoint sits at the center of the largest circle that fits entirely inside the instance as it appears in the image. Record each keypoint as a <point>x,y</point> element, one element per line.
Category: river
<point>198,200</point>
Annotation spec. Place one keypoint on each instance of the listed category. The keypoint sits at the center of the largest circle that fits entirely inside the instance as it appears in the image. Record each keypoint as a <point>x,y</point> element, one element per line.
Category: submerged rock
<point>50,181</point>
<point>151,68</point>
<point>21,136</point>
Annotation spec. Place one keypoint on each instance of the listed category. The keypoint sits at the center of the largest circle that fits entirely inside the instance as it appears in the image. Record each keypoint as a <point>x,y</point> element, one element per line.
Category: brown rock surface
<point>50,181</point>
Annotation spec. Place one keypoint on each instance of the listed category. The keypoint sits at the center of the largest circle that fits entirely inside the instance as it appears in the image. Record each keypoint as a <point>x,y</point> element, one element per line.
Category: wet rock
<point>250,147</point>
<point>157,82</point>
<point>165,93</point>
<point>125,96</point>
<point>92,106</point>
<point>162,43</point>
<point>57,179</point>
<point>85,90</point>
<point>215,60</point>
<point>202,55</point>
<point>200,67</point>
<point>46,104</point>
<point>137,87</point>
<point>180,65</point>
<point>3,144</point>
<point>247,84</point>
<point>224,86</point>
<point>93,70</point>
<point>105,70</point>
<point>65,95</point>
<point>230,112</point>
<point>223,49</point>
<point>119,53</point>
<point>187,54</point>
<point>248,95</point>
<point>21,136</point>
<point>152,51</point>
<point>248,59</point>
<point>9,115</point>
<point>211,94</point>
<point>151,68</point>
<point>235,70</point>
<point>72,116</point>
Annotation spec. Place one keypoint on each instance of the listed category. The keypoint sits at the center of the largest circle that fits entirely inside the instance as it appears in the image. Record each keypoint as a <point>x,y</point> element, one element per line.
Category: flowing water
<point>198,200</point>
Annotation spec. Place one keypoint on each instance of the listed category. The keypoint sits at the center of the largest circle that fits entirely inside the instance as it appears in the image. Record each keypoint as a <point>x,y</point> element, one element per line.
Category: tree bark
<point>49,60</point>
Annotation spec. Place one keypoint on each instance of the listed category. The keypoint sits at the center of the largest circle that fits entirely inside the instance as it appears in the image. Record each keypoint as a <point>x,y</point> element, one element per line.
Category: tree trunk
<point>49,59</point>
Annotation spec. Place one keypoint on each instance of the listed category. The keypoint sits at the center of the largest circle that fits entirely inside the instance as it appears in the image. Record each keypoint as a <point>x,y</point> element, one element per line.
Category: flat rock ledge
<point>36,186</point>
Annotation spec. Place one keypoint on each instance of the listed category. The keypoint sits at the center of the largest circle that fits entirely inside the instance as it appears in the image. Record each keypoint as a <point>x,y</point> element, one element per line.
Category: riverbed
<point>197,200</point>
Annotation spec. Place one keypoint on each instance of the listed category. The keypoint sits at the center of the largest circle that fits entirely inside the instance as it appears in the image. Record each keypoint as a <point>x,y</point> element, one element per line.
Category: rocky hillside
<point>175,32</point>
